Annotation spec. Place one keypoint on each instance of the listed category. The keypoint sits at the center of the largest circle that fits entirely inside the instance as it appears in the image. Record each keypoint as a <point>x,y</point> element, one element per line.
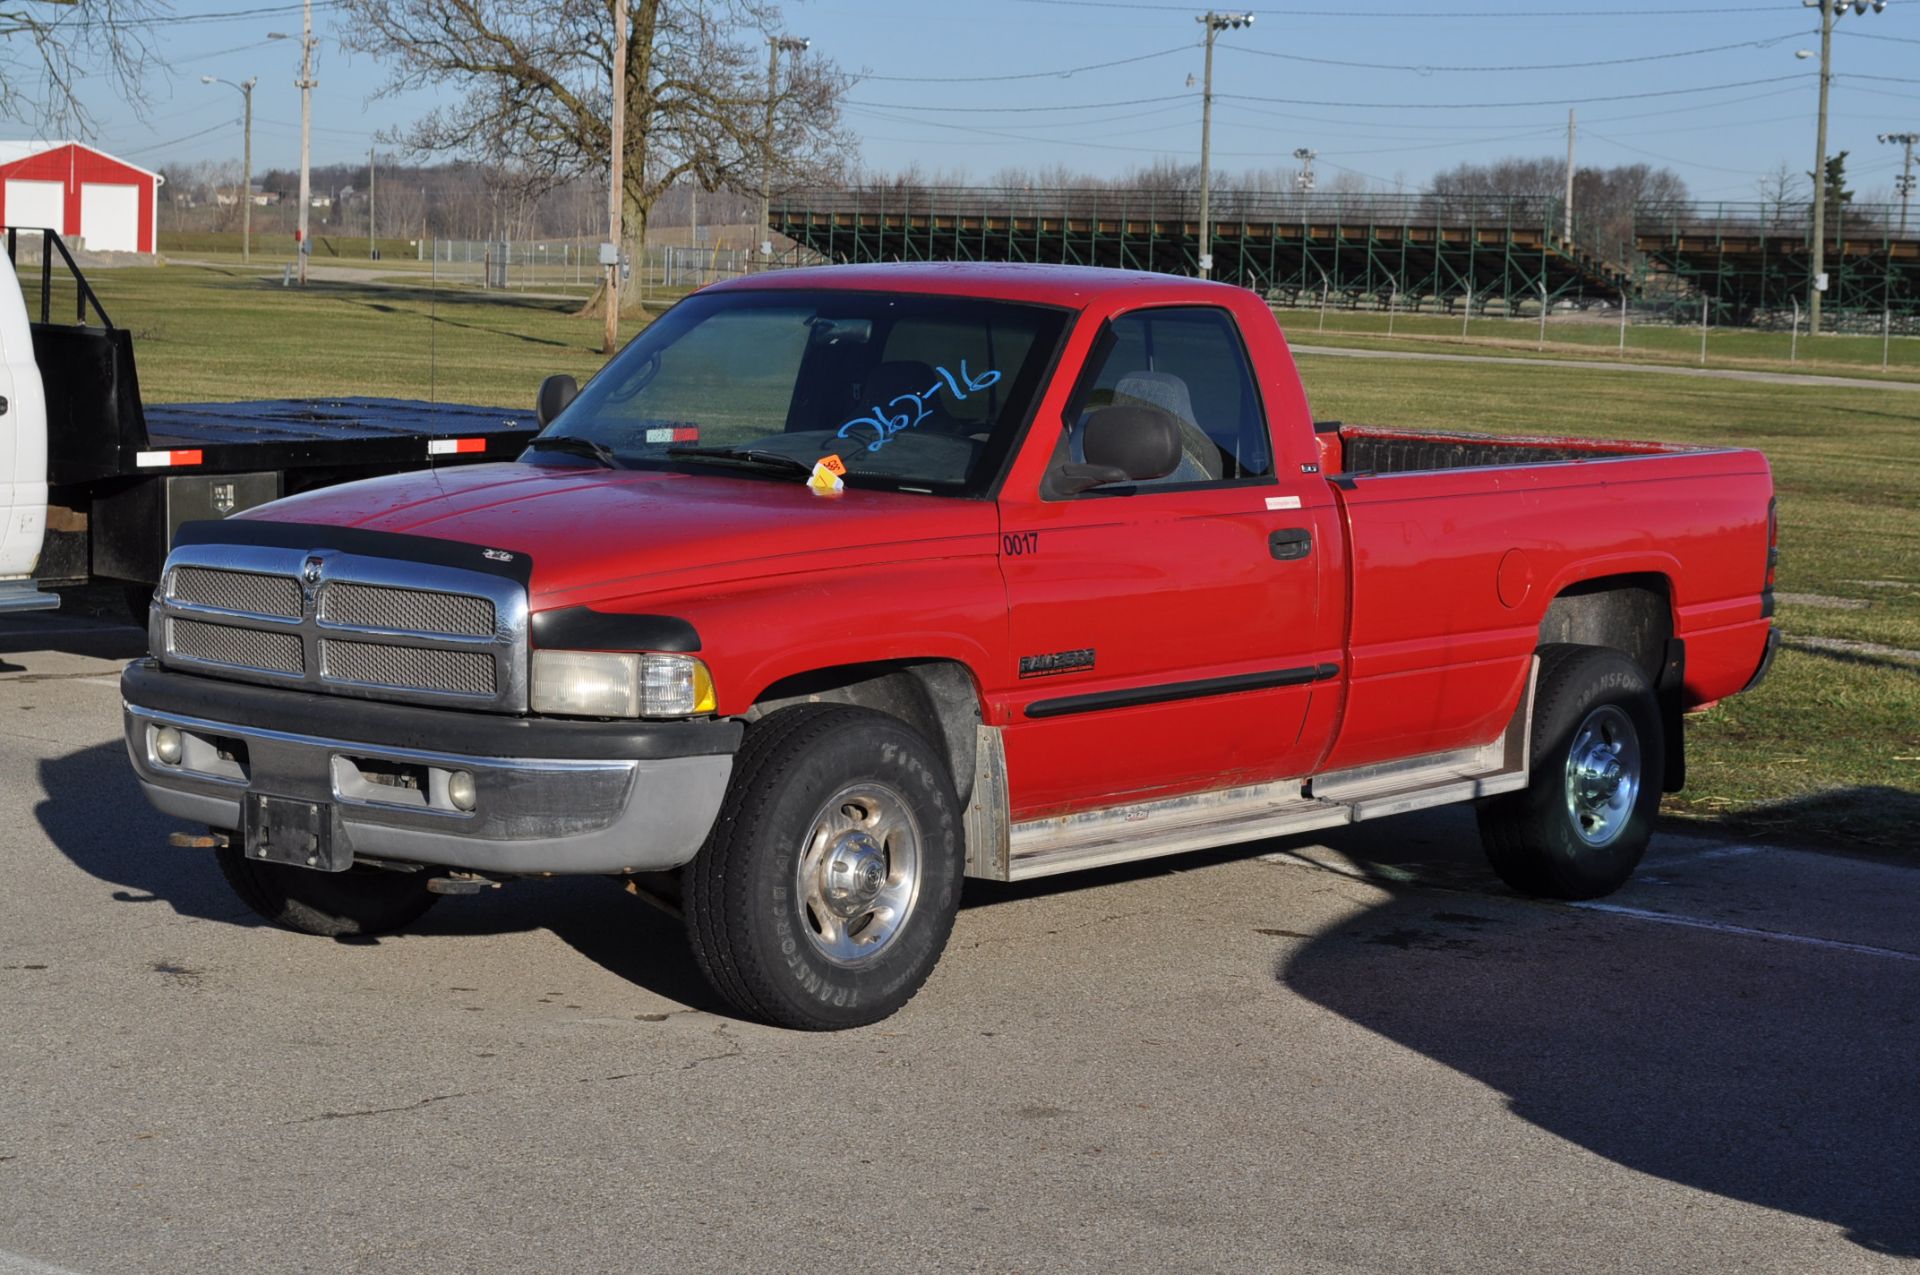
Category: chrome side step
<point>1003,851</point>
<point>25,595</point>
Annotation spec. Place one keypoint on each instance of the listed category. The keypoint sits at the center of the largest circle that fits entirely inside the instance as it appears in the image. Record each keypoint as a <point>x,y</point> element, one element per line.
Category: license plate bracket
<point>292,831</point>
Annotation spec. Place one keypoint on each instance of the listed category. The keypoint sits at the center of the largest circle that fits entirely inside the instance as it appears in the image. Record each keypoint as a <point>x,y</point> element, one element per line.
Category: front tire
<point>1580,827</point>
<point>360,901</point>
<point>829,885</point>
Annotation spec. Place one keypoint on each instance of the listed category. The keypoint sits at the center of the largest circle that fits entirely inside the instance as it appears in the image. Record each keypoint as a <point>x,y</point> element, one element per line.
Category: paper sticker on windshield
<point>824,482</point>
<point>834,465</point>
<point>675,434</point>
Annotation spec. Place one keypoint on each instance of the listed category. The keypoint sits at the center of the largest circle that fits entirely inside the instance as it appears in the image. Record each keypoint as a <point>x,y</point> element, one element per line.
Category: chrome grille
<point>370,606</point>
<point>244,591</point>
<point>236,648</point>
<point>408,667</point>
<point>347,624</point>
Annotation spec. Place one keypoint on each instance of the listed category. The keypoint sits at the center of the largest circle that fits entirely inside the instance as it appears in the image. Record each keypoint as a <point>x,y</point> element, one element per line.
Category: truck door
<point>1166,632</point>
<point>23,435</point>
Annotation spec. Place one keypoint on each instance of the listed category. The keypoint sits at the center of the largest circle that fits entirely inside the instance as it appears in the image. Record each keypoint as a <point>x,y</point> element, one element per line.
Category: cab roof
<point>1071,286</point>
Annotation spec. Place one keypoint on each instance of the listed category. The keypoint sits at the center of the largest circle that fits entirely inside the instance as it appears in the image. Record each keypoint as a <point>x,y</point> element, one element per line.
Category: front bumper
<point>553,796</point>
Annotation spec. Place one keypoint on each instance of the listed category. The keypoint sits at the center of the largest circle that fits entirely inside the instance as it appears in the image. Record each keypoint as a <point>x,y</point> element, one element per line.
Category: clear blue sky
<point>1403,115</point>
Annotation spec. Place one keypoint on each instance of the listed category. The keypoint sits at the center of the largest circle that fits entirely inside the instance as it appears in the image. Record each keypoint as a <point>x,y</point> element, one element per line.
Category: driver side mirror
<point>555,393</point>
<point>1122,444</point>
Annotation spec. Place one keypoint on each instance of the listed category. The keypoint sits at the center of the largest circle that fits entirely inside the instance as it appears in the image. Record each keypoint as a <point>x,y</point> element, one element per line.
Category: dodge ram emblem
<point>310,570</point>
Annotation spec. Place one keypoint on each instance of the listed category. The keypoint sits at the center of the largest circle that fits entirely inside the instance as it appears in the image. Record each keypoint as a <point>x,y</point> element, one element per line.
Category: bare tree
<point>536,77</point>
<point>46,49</point>
<point>1776,188</point>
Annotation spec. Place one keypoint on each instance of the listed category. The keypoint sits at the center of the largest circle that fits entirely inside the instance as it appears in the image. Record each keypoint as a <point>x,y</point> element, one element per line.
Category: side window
<point>1190,364</point>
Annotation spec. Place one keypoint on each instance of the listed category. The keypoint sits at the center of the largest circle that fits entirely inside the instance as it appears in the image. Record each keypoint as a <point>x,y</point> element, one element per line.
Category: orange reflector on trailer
<point>167,459</point>
<point>455,446</point>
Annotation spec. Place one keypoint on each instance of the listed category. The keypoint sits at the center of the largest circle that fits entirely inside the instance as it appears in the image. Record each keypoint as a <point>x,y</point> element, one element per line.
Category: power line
<point>1716,168</point>
<point>196,19</point>
<point>1028,109</point>
<point>1026,75</point>
<point>1481,106</point>
<point>1875,35</point>
<point>1543,66</point>
<point>142,150</point>
<point>1664,113</point>
<point>1401,15</point>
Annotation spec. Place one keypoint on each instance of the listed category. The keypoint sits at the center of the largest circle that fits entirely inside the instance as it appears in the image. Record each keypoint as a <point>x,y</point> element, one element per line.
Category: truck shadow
<point>1786,1083</point>
<point>100,821</point>
<point>1780,1076</point>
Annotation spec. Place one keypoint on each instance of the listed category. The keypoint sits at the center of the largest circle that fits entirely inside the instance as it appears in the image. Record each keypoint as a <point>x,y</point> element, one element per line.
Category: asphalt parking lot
<point>1352,1053</point>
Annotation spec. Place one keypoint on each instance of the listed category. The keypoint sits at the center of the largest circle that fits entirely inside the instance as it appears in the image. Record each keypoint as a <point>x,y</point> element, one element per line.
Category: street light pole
<point>246,163</point>
<point>306,86</point>
<point>1214,24</point>
<point>1830,11</point>
<point>775,43</point>
<point>616,180</point>
<point>1905,184</point>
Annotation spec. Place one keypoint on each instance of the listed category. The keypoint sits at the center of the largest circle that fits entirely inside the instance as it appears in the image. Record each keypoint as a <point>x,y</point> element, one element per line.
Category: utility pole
<point>775,43</point>
<point>372,247</point>
<point>1214,24</point>
<point>246,162</point>
<point>1905,183</point>
<point>616,176</point>
<point>306,86</point>
<point>1567,211</point>
<point>1830,11</point>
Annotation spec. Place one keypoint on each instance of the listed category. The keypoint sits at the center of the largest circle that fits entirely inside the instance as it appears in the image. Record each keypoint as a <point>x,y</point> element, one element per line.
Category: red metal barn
<point>87,195</point>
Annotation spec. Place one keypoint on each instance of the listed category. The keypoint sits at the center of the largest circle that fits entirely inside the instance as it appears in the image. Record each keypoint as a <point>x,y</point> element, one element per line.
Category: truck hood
<point>598,535</point>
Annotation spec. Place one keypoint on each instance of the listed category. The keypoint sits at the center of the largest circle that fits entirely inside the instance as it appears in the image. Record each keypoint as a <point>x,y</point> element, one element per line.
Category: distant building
<point>228,196</point>
<point>87,195</point>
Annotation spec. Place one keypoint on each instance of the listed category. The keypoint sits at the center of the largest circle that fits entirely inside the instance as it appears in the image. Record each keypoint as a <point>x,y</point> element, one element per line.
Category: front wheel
<point>1581,825</point>
<point>829,885</point>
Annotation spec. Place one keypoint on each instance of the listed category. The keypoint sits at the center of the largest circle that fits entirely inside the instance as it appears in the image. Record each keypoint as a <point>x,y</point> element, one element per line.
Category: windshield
<point>911,392</point>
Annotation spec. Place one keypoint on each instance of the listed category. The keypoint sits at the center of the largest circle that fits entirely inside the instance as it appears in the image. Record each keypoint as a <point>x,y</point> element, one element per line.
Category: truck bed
<point>1366,449</point>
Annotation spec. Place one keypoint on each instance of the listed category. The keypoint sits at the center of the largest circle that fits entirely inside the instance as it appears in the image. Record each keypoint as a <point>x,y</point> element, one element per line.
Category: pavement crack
<point>428,1101</point>
<point>733,1050</point>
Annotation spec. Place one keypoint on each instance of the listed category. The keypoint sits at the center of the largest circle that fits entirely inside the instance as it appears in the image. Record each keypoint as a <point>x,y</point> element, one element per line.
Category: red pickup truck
<point>838,586</point>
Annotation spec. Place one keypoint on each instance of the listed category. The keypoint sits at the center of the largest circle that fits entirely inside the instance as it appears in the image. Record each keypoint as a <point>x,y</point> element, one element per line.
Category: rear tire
<point>1580,827</point>
<point>829,885</point>
<point>360,901</point>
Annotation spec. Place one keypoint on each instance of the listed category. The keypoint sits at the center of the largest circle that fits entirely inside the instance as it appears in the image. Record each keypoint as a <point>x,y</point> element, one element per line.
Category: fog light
<point>461,791</point>
<point>168,746</point>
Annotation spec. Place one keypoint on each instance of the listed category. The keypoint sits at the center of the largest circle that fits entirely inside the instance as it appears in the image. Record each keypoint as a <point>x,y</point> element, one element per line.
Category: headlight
<point>613,684</point>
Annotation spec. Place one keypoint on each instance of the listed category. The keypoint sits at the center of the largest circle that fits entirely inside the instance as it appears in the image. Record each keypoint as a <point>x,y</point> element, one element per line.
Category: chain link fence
<point>551,264</point>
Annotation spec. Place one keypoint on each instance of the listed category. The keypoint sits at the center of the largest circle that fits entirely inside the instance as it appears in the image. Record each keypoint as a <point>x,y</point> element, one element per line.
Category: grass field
<point>1828,747</point>
<point>1598,338</point>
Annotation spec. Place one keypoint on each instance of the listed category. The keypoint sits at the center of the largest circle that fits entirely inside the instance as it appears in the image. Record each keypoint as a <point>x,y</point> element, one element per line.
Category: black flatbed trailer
<point>122,475</point>
<point>334,430</point>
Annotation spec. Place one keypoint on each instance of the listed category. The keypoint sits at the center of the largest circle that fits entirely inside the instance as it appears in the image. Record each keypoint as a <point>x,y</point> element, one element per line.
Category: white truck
<point>93,483</point>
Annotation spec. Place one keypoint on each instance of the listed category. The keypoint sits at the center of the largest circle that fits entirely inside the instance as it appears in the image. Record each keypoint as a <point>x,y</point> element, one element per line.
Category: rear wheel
<point>1580,827</point>
<point>829,885</point>
<point>361,900</point>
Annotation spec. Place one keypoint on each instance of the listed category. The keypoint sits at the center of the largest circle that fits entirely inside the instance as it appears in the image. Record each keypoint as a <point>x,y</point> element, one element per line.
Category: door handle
<point>1290,543</point>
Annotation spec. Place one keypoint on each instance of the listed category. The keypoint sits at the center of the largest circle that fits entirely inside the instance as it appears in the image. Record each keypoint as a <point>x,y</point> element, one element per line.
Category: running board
<point>1003,851</point>
<point>25,595</point>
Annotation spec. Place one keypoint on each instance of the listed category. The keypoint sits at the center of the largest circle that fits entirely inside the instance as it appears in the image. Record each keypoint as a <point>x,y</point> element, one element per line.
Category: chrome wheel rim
<point>1603,775</point>
<point>859,873</point>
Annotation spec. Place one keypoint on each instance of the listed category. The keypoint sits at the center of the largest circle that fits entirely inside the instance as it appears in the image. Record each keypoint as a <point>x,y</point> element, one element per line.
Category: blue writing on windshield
<point>883,422</point>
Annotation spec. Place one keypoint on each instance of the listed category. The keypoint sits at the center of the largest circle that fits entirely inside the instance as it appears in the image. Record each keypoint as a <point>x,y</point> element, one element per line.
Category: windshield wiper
<point>574,445</point>
<point>752,457</point>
